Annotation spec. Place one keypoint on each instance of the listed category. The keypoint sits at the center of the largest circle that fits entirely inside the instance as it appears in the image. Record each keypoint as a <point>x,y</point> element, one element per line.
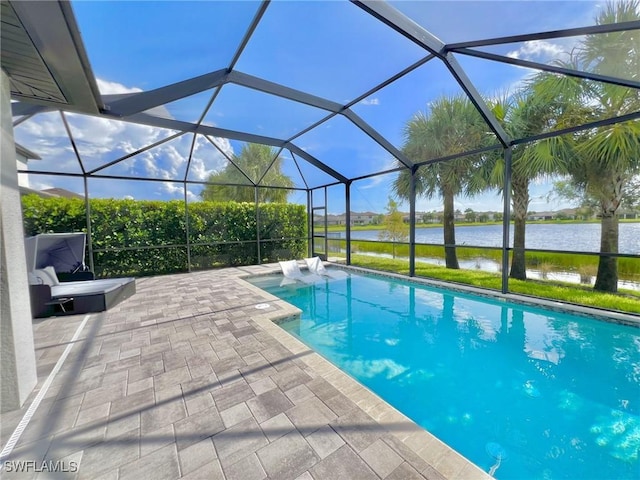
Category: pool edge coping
<point>610,316</point>
<point>443,458</point>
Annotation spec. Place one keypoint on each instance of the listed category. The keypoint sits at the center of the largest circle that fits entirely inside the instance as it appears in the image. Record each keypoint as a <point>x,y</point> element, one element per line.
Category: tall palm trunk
<point>520,200</point>
<point>607,276</point>
<point>451,259</point>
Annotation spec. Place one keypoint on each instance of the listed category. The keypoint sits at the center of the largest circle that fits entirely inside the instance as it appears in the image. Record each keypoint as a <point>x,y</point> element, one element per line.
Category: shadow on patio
<point>187,379</point>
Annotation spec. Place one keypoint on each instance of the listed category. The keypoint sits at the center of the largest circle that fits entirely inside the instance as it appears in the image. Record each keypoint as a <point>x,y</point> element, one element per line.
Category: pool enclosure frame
<point>135,107</point>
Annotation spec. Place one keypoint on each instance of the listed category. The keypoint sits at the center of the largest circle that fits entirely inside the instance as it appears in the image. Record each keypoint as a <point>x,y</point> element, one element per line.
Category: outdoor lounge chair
<point>316,267</point>
<point>74,298</point>
<point>291,272</point>
<point>61,284</point>
<point>64,252</point>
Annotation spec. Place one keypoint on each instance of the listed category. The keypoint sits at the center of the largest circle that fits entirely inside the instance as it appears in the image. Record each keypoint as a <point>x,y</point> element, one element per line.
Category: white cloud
<point>176,190</point>
<point>111,88</point>
<point>381,181</point>
<point>100,141</point>
<point>36,184</point>
<point>206,159</point>
<point>224,145</point>
<point>199,170</point>
<point>49,125</point>
<point>46,136</point>
<point>427,205</point>
<point>173,189</point>
<point>151,167</point>
<point>537,50</point>
<point>540,51</point>
<point>174,157</point>
<point>371,101</point>
<point>374,182</point>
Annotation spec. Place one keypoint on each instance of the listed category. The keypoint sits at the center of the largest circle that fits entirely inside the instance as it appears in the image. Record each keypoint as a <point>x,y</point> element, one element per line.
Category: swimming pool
<point>521,391</point>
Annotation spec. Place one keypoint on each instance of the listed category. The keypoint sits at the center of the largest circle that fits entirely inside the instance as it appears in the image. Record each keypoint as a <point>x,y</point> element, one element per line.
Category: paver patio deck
<point>188,379</point>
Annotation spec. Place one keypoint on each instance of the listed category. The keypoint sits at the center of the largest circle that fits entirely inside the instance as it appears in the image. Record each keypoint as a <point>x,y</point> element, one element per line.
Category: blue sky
<point>331,49</point>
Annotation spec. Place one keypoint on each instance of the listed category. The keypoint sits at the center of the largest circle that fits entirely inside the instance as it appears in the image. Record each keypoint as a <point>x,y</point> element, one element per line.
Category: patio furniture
<point>74,298</point>
<point>61,284</point>
<point>316,267</point>
<point>292,273</point>
<point>65,252</point>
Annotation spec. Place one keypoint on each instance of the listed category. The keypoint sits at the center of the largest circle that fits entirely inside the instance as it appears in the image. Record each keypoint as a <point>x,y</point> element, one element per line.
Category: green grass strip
<point>627,301</point>
<point>628,268</point>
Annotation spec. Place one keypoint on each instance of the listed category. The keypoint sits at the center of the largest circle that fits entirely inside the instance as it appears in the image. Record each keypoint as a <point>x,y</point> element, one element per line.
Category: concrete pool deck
<point>191,378</point>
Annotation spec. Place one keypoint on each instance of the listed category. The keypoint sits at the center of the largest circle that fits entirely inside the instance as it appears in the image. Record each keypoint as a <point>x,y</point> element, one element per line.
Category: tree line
<point>599,166</point>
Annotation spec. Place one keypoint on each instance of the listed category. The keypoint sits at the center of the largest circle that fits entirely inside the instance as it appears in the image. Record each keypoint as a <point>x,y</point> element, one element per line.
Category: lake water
<point>579,237</point>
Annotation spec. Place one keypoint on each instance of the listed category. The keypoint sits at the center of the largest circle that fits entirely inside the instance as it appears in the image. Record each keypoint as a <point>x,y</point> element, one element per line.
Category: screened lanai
<point>491,144</point>
<point>360,112</point>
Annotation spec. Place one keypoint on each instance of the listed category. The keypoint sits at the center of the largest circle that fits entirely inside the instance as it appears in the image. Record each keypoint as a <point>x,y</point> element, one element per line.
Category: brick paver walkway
<point>188,379</point>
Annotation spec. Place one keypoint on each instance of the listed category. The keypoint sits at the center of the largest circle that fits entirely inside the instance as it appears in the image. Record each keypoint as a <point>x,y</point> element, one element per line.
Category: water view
<point>570,237</point>
<point>579,237</point>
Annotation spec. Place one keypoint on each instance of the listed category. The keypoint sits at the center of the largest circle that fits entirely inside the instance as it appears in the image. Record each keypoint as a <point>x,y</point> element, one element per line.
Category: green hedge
<point>133,237</point>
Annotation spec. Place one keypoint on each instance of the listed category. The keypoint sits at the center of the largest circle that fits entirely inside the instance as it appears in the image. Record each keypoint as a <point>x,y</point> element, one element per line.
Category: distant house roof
<point>25,152</point>
<point>30,191</point>
<point>50,192</point>
<point>61,192</point>
<point>371,214</point>
<point>542,214</point>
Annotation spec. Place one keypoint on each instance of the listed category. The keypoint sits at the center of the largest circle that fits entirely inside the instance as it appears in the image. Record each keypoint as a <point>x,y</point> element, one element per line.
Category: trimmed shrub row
<point>141,237</point>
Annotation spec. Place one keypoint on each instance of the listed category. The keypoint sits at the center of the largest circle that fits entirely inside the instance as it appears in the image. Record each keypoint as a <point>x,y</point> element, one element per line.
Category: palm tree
<point>451,126</point>
<point>601,161</point>
<point>521,115</point>
<point>254,160</point>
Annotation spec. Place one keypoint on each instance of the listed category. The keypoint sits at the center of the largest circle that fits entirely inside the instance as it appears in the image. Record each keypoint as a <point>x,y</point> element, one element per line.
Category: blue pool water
<point>527,392</point>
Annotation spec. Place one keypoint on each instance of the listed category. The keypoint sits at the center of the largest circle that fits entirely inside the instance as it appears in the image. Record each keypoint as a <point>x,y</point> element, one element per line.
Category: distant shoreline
<point>339,228</point>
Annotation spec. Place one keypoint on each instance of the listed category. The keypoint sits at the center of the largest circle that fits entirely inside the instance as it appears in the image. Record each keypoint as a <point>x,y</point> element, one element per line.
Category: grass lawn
<point>627,301</point>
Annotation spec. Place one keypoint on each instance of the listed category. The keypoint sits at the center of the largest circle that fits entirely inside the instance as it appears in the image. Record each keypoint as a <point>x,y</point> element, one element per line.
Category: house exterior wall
<point>21,164</point>
<point>18,374</point>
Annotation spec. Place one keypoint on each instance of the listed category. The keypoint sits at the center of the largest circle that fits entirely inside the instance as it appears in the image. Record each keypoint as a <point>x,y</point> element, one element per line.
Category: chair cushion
<point>316,266</point>
<point>34,279</point>
<point>290,269</point>
<point>47,276</point>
